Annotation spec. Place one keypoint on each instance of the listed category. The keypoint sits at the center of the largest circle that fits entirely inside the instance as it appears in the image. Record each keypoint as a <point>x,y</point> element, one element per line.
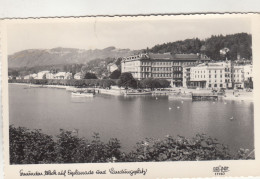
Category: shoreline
<point>242,95</point>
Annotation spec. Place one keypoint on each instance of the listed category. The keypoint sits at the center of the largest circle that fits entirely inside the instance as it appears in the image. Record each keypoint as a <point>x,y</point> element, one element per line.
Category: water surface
<point>131,119</point>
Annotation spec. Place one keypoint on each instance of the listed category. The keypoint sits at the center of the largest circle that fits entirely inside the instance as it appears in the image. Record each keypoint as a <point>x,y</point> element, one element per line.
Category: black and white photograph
<point>111,90</point>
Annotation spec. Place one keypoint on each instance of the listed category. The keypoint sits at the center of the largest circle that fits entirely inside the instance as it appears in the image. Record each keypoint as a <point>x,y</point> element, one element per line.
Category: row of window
<point>156,63</point>
<point>167,63</point>
<point>162,75</point>
<point>183,63</point>
<point>215,85</point>
<point>215,81</point>
<point>161,69</point>
<point>226,75</point>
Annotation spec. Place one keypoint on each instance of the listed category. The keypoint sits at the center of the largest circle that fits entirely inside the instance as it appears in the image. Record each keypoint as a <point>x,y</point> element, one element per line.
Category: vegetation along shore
<point>27,146</point>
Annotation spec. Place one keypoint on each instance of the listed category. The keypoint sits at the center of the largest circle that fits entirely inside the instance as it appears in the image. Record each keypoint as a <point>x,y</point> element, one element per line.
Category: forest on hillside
<point>238,44</point>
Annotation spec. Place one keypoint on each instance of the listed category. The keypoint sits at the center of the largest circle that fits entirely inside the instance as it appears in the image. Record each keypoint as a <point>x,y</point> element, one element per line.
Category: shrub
<point>30,146</point>
<point>33,147</point>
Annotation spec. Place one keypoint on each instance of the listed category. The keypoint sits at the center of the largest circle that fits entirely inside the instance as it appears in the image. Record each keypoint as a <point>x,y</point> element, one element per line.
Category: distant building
<point>112,67</point>
<point>163,66</point>
<point>238,76</point>
<point>63,75</point>
<point>34,76</point>
<point>26,77</point>
<point>31,76</point>
<point>248,72</point>
<point>49,75</point>
<point>78,76</point>
<point>41,74</point>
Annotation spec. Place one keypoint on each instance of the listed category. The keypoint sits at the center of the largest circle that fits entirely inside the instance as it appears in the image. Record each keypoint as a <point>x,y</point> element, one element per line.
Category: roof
<point>160,56</point>
<point>44,72</point>
<point>167,56</point>
<point>191,56</point>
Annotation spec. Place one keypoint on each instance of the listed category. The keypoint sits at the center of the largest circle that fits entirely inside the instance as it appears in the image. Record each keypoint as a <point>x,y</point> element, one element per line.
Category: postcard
<point>151,96</point>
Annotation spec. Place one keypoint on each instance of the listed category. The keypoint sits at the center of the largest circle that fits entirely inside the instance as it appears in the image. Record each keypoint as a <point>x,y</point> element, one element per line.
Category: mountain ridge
<point>60,55</point>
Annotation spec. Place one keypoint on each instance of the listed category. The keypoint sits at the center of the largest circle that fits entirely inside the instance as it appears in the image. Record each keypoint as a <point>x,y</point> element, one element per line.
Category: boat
<point>137,92</point>
<point>80,94</point>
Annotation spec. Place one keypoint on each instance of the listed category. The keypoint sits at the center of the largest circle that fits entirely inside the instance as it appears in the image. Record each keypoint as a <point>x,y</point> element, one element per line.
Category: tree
<point>154,83</point>
<point>89,76</point>
<point>115,74</point>
<point>127,80</point>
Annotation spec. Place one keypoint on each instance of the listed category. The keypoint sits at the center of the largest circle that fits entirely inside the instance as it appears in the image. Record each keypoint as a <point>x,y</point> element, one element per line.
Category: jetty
<point>204,97</point>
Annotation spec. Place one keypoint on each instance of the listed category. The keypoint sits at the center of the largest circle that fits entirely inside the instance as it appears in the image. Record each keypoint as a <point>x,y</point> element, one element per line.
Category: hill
<point>238,44</point>
<point>62,56</point>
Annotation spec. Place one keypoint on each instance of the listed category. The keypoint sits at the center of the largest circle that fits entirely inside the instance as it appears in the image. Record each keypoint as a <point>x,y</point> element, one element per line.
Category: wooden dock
<point>204,97</point>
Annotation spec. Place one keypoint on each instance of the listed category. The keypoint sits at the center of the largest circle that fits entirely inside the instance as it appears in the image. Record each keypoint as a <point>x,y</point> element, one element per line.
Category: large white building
<point>216,75</point>
<point>163,66</point>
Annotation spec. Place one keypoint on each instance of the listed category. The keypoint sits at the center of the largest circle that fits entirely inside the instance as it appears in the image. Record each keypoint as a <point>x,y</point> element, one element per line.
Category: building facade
<point>41,74</point>
<point>111,67</point>
<point>214,75</point>
<point>78,76</point>
<point>162,66</point>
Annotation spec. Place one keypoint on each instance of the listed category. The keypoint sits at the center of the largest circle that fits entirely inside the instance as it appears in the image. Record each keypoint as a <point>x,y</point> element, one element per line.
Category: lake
<point>131,119</point>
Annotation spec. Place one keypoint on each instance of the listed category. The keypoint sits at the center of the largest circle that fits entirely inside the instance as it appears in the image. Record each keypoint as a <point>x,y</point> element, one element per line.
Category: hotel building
<point>161,66</point>
<point>215,75</point>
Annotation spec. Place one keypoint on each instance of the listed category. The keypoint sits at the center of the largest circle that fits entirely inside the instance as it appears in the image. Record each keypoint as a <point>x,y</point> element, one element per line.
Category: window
<point>209,85</point>
<point>209,76</point>
<point>221,85</point>
<point>215,85</point>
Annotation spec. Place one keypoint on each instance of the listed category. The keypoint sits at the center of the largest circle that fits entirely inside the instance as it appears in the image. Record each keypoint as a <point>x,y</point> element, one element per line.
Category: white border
<point>155,169</point>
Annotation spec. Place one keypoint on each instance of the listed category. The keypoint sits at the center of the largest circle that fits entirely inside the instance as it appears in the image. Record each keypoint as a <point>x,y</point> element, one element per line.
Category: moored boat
<point>127,93</point>
<point>79,94</point>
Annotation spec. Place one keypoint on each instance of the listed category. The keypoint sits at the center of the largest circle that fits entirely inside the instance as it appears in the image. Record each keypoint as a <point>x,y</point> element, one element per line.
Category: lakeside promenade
<point>241,95</point>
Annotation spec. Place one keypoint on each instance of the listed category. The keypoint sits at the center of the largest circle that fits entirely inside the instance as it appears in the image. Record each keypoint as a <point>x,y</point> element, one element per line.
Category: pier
<point>204,97</point>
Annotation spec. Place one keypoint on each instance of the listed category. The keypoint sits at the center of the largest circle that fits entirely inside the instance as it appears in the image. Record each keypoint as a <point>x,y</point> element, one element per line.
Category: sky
<point>132,33</point>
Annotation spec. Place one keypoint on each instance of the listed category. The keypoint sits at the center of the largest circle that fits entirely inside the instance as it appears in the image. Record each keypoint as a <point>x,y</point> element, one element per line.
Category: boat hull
<point>138,93</point>
<point>82,94</point>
